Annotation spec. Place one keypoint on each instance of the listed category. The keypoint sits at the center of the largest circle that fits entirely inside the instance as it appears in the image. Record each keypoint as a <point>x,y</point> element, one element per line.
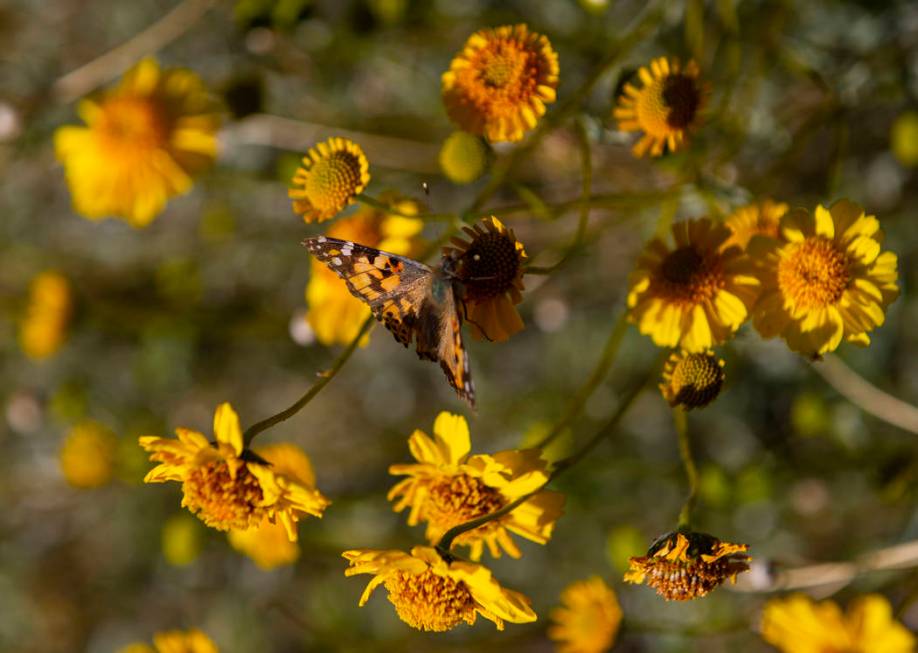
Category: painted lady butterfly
<point>414,301</point>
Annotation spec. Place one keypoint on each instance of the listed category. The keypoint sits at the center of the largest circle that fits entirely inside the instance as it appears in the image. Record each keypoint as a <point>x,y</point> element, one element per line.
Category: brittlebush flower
<point>665,108</point>
<point>433,594</point>
<point>760,218</point>
<point>696,295</point>
<point>144,141</point>
<point>491,267</point>
<point>692,380</point>
<point>825,280</point>
<point>335,315</point>
<point>448,487</point>
<point>589,618</point>
<point>499,84</point>
<point>175,641</point>
<point>87,456</point>
<point>225,485</point>
<point>43,328</point>
<point>687,565</point>
<point>267,544</point>
<point>331,175</point>
<point>796,624</point>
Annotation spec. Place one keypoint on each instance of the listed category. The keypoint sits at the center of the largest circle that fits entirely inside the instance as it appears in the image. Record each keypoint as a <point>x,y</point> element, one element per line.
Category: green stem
<point>691,471</point>
<point>313,390</point>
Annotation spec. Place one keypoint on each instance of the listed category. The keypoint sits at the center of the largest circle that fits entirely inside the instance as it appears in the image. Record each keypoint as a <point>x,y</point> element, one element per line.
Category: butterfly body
<point>416,303</point>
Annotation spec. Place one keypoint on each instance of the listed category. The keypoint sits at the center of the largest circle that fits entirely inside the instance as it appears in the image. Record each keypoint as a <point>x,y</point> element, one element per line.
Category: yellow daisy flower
<point>225,485</point>
<point>825,280</point>
<point>331,174</point>
<point>686,565</point>
<point>759,218</point>
<point>175,641</point>
<point>44,326</point>
<point>433,594</point>
<point>589,618</point>
<point>491,267</point>
<point>692,380</point>
<point>695,296</point>
<point>144,141</point>
<point>665,108</point>
<point>87,456</point>
<point>334,314</point>
<point>267,544</point>
<point>448,487</point>
<point>499,84</point>
<point>796,624</point>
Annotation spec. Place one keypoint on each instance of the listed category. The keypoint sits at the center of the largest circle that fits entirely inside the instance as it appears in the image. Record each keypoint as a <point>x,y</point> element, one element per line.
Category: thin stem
<point>313,390</point>
<point>691,471</point>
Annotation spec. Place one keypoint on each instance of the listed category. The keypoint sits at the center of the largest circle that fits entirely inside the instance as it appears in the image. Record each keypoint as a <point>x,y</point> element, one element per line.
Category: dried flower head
<point>331,174</point>
<point>498,86</point>
<point>692,380</point>
<point>685,565</point>
<point>589,618</point>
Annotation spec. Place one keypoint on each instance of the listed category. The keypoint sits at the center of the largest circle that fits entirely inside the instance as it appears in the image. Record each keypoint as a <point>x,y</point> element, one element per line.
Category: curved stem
<point>691,471</point>
<point>313,390</point>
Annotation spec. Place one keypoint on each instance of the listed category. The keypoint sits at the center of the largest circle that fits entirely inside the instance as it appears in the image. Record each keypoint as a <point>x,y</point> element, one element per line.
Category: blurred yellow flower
<point>692,380</point>
<point>695,296</point>
<point>499,84</point>
<point>144,141</point>
<point>267,544</point>
<point>463,157</point>
<point>44,326</point>
<point>796,624</point>
<point>225,485</point>
<point>88,454</point>
<point>432,594</point>
<point>665,108</point>
<point>181,540</point>
<point>490,267</point>
<point>175,641</point>
<point>329,177</point>
<point>825,280</point>
<point>758,218</point>
<point>687,565</point>
<point>903,138</point>
<point>448,487</point>
<point>334,314</point>
<point>589,618</point>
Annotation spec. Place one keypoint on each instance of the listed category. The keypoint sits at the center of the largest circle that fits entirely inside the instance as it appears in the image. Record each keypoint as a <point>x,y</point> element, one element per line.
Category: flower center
<point>697,380</point>
<point>427,601</point>
<point>332,180</point>
<point>681,97</point>
<point>814,274</point>
<point>681,580</point>
<point>221,501</point>
<point>685,275</point>
<point>133,122</point>
<point>500,67</point>
<point>457,499</point>
<point>489,266</point>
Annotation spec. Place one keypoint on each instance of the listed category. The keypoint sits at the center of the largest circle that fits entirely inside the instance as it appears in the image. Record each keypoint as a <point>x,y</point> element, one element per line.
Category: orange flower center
<point>333,179</point>
<point>133,122</point>
<point>500,67</point>
<point>427,601</point>
<point>221,501</point>
<point>814,274</point>
<point>503,76</point>
<point>490,265</point>
<point>687,276</point>
<point>696,380</point>
<point>457,499</point>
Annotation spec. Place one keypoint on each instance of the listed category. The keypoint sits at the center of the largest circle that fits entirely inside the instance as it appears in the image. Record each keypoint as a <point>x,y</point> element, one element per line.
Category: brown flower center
<point>814,274</point>
<point>687,276</point>
<point>490,265</point>
<point>457,499</point>
<point>333,179</point>
<point>677,580</point>
<point>696,380</point>
<point>681,97</point>
<point>221,501</point>
<point>427,601</point>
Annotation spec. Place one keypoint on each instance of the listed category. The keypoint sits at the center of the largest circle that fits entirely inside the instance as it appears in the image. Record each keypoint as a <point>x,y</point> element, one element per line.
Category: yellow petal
<point>226,427</point>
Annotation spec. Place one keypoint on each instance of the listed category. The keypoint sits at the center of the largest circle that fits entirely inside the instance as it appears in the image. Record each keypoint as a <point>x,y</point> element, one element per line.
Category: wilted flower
<point>331,175</point>
<point>44,326</point>
<point>88,454</point>
<point>692,380</point>
<point>589,618</point>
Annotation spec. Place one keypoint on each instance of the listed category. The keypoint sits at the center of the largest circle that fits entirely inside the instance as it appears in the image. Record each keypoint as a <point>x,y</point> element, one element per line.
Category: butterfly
<point>414,301</point>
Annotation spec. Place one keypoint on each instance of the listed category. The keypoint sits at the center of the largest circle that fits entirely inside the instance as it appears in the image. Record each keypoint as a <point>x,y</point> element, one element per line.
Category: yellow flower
<point>825,280</point>
<point>589,618</point>
<point>181,540</point>
<point>499,84</point>
<point>665,108</point>
<point>433,594</point>
<point>490,267</point>
<point>692,380</point>
<point>695,296</point>
<point>44,326</point>
<point>331,174</point>
<point>334,314</point>
<point>759,218</point>
<point>798,625</point>
<point>87,456</point>
<point>463,157</point>
<point>903,138</point>
<point>686,565</point>
<point>225,485</point>
<point>448,487</point>
<point>175,641</point>
<point>267,544</point>
<point>143,142</point>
